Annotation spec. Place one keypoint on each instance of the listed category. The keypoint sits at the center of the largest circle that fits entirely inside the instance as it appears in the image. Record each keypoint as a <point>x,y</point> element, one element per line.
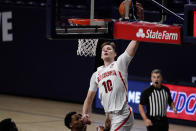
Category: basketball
<point>122,8</point>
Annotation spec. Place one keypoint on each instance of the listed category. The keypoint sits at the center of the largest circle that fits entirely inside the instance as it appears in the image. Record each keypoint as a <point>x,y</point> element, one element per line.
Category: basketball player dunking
<point>111,79</point>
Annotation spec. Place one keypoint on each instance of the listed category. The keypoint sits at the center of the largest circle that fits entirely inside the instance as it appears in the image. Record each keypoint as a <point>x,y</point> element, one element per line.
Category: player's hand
<point>148,122</point>
<point>175,111</point>
<point>107,124</point>
<point>100,128</point>
<point>85,119</point>
<point>140,11</point>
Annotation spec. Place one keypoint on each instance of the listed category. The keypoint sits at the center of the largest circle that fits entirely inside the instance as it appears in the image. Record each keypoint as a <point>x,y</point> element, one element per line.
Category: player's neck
<point>107,63</point>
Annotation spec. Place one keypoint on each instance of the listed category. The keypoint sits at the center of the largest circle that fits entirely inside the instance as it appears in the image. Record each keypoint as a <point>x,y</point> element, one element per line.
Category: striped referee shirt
<point>156,100</point>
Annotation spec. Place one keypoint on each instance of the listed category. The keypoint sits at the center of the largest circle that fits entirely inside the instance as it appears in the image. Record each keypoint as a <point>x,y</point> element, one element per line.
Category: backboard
<point>98,21</point>
<point>76,19</point>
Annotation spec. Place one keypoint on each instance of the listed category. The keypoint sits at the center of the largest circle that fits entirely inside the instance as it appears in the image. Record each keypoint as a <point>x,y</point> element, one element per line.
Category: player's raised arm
<point>132,47</point>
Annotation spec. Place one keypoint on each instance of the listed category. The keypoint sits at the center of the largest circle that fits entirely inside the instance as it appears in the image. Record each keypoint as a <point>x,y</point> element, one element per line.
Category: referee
<point>156,98</point>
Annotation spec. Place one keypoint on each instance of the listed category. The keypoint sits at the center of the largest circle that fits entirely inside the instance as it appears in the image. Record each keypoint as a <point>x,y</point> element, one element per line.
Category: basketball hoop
<point>87,47</point>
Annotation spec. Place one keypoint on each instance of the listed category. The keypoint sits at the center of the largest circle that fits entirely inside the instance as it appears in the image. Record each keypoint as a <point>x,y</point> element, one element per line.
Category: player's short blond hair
<point>109,43</point>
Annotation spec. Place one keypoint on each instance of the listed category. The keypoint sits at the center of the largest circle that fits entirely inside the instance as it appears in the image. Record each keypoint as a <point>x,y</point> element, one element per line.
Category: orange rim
<point>83,21</point>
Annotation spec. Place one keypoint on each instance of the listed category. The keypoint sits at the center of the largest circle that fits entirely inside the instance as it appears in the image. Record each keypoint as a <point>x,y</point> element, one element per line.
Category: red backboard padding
<point>147,32</point>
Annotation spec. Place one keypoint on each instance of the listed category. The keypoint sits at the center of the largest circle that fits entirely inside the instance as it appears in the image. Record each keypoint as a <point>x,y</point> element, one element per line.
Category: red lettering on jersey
<point>99,78</point>
<point>106,74</point>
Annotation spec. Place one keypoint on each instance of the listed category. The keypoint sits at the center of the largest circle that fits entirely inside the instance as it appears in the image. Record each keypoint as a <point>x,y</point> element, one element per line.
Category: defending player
<point>74,122</point>
<point>111,79</point>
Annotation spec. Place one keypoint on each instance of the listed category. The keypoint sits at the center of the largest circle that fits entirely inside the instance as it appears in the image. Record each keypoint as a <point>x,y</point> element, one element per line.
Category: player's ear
<point>70,125</point>
<point>115,54</point>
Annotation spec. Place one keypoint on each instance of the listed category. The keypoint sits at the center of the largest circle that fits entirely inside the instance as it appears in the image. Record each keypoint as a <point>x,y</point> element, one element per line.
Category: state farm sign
<point>156,34</point>
<point>147,32</point>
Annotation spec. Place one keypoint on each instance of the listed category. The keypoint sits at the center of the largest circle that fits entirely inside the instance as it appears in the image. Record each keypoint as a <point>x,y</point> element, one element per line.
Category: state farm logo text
<point>156,34</point>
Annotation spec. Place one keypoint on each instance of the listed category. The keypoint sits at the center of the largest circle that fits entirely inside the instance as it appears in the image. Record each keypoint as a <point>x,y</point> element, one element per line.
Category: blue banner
<point>184,98</point>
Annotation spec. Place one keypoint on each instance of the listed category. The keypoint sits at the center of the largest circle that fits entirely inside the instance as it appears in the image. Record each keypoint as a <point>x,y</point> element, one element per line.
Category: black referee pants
<point>158,124</point>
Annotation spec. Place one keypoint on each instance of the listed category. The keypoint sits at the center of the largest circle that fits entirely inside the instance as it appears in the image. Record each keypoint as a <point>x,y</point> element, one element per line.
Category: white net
<point>87,47</point>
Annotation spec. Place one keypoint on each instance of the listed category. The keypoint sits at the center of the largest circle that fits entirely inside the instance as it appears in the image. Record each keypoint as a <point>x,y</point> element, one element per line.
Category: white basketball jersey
<point>112,83</point>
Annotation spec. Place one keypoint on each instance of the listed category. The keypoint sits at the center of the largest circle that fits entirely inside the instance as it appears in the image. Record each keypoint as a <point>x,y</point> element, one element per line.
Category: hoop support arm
<point>167,10</point>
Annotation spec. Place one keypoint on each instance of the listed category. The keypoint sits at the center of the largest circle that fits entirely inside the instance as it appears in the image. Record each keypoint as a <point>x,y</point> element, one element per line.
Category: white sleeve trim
<point>93,84</point>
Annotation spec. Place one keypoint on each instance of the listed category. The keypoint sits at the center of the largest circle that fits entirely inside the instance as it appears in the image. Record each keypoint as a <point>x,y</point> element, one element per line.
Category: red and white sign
<point>184,98</point>
<point>147,32</point>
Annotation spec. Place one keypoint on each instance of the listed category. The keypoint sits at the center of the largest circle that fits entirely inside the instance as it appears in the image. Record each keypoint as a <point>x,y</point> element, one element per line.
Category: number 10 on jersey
<point>107,85</point>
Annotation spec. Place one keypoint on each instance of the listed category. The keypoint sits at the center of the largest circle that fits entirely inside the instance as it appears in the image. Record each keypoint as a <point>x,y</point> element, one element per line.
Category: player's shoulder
<point>125,56</point>
<point>99,68</point>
